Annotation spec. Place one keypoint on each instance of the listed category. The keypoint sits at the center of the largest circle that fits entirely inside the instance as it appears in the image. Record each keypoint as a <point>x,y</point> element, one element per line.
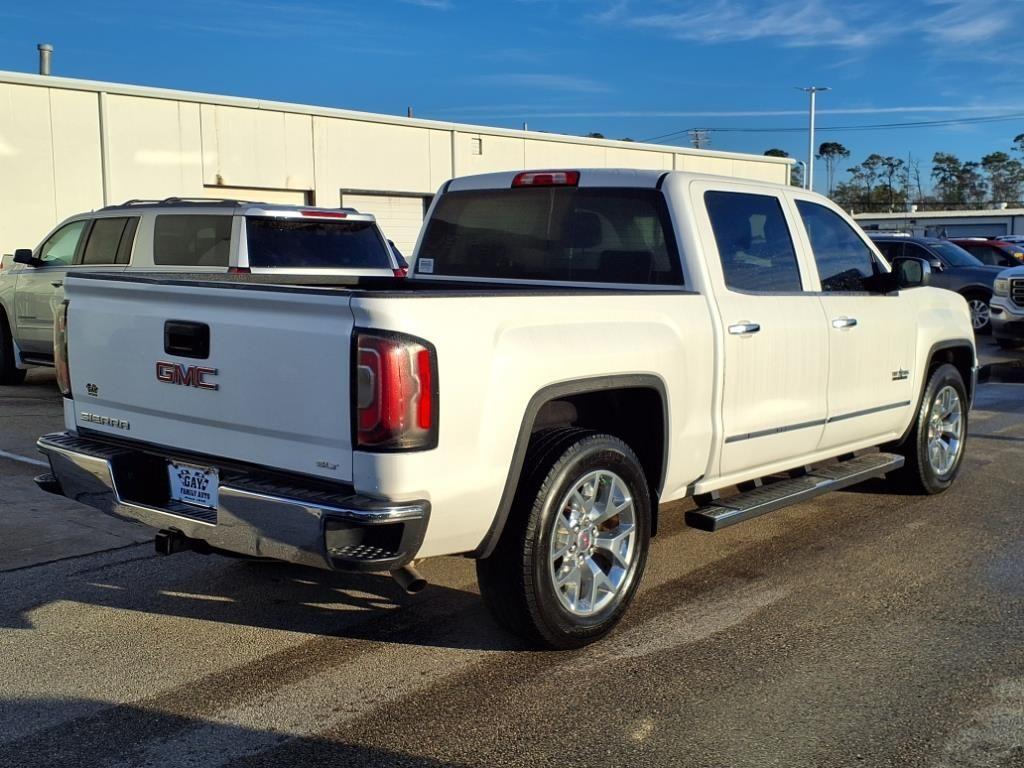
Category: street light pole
<point>811,90</point>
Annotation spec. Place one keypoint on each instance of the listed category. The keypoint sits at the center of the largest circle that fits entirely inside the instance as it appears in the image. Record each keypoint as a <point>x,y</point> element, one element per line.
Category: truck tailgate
<point>273,388</point>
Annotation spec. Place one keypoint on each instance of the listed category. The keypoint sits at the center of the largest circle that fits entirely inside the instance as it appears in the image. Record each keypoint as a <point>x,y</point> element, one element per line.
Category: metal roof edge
<point>96,86</point>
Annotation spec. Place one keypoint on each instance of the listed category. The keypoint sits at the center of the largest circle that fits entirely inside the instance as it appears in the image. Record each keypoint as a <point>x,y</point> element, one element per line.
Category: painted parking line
<point>24,459</point>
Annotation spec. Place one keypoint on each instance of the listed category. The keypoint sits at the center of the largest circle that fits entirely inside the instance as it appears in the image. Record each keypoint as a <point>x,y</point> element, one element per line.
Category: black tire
<point>918,474</point>
<point>515,581</point>
<point>1010,343</point>
<point>9,374</point>
<point>985,298</point>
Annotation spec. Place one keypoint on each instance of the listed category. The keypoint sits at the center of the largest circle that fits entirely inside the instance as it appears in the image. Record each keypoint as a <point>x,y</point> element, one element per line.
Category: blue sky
<point>623,68</point>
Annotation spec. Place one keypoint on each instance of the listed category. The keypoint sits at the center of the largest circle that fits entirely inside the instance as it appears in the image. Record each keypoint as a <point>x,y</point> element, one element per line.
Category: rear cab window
<point>557,233</point>
<point>292,243</point>
<point>754,243</point>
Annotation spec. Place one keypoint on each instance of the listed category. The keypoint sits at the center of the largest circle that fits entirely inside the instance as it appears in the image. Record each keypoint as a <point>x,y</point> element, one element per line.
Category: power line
<point>870,127</point>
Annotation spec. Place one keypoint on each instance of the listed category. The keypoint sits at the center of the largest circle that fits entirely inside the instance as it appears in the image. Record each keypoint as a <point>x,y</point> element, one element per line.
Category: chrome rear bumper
<point>257,515</point>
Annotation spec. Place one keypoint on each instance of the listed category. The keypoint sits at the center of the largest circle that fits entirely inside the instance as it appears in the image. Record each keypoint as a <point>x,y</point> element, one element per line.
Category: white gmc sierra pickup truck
<point>572,349</point>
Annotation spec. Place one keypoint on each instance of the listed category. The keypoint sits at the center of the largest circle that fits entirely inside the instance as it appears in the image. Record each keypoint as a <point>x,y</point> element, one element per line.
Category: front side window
<point>191,240</point>
<point>754,243</point>
<point>61,247</point>
<point>104,241</point>
<point>844,260</point>
<point>582,234</point>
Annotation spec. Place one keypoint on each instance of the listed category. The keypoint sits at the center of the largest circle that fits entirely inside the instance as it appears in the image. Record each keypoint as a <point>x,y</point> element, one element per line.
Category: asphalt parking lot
<point>860,629</point>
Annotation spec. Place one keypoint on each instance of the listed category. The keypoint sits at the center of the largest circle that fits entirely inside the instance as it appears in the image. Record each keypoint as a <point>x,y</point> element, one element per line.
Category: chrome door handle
<point>844,322</point>
<point>57,283</point>
<point>741,329</point>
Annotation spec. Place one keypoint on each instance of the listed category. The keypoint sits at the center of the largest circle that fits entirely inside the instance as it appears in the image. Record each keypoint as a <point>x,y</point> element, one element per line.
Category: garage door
<point>399,217</point>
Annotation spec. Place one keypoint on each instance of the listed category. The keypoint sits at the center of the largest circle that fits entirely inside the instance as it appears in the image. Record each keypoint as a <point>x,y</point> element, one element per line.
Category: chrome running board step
<point>831,477</point>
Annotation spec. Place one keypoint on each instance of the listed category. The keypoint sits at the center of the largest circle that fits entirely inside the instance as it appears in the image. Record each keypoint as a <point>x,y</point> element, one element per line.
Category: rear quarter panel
<point>496,351</point>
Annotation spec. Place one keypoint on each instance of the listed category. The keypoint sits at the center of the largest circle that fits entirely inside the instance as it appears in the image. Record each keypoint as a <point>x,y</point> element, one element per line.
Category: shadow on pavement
<point>1008,372</point>
<point>97,734</point>
<point>275,596</point>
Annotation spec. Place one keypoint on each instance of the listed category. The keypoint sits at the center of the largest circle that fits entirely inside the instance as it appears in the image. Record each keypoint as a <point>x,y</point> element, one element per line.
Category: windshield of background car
<point>954,255</point>
<point>315,244</point>
<point>591,235</point>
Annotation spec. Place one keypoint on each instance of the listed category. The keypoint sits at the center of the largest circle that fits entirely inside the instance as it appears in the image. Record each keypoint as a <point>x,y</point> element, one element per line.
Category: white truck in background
<point>572,350</point>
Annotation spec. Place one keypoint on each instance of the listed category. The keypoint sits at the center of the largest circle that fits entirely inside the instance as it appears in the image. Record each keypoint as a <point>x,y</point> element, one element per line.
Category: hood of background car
<point>1013,272</point>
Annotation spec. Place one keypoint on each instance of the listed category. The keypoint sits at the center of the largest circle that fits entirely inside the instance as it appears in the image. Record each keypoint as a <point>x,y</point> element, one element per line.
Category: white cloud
<point>549,82</point>
<point>968,22</point>
<point>795,23</point>
<point>437,5</point>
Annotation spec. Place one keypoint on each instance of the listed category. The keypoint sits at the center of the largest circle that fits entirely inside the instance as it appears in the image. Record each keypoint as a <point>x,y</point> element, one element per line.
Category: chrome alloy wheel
<point>980,313</point>
<point>593,545</point>
<point>945,430</point>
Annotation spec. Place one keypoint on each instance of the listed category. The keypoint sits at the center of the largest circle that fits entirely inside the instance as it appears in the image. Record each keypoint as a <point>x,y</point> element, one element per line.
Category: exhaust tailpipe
<point>409,579</point>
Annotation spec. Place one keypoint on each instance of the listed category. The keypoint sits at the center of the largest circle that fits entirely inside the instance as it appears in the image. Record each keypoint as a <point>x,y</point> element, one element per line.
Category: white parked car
<point>176,235</point>
<point>572,350</point>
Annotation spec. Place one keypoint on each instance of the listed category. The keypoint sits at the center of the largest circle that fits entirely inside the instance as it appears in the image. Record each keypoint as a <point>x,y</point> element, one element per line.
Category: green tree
<point>1005,176</point>
<point>1018,142</point>
<point>832,152</point>
<point>891,168</point>
<point>956,181</point>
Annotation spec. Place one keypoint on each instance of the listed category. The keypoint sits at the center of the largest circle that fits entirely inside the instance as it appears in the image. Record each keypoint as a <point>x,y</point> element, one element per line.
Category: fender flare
<point>555,392</point>
<point>971,382</point>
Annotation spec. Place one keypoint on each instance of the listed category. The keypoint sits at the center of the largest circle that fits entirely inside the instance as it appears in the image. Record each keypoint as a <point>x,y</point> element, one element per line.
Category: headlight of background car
<point>1001,287</point>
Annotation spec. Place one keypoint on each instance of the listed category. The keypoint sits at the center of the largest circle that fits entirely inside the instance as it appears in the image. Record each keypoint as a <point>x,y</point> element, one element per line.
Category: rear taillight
<point>401,271</point>
<point>395,393</point>
<point>239,271</point>
<point>60,349</point>
<point>546,179</point>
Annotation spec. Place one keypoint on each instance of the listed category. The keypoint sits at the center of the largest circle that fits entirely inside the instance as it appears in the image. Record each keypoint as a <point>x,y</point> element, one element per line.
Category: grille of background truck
<point>1017,291</point>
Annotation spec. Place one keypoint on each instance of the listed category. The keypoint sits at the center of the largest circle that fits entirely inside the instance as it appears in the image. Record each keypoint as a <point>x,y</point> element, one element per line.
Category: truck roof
<point>593,177</point>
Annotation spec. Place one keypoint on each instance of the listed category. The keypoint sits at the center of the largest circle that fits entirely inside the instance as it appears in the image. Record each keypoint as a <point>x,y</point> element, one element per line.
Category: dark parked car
<point>952,268</point>
<point>996,253</point>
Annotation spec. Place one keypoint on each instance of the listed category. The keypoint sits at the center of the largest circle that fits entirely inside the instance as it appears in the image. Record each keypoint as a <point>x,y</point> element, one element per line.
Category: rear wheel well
<point>635,415</point>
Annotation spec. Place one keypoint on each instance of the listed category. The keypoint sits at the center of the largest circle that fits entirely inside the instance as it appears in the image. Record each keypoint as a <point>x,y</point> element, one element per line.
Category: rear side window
<point>592,235</point>
<point>191,241</point>
<point>754,243</point>
<point>313,244</point>
<point>104,241</point>
<point>844,260</point>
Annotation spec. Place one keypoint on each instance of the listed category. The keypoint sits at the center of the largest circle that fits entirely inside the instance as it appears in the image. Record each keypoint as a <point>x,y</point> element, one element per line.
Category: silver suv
<point>177,235</point>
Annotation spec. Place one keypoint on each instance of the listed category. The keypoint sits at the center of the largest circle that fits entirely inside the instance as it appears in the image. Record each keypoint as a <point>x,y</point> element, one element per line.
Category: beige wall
<point>69,148</point>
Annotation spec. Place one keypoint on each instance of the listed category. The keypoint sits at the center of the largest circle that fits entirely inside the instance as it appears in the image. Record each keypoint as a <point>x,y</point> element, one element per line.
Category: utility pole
<point>699,137</point>
<point>812,91</point>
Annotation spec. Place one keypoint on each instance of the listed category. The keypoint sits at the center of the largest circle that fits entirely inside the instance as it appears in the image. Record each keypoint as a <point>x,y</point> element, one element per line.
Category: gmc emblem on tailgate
<point>185,376</point>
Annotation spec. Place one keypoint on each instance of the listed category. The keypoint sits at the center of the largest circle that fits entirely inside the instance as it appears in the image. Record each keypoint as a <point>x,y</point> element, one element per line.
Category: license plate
<point>193,485</point>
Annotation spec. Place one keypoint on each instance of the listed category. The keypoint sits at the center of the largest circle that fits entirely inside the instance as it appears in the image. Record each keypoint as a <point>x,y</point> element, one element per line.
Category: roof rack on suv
<point>186,201</point>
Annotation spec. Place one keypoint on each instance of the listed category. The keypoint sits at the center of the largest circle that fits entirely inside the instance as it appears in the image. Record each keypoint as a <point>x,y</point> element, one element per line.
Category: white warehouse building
<point>68,146</point>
